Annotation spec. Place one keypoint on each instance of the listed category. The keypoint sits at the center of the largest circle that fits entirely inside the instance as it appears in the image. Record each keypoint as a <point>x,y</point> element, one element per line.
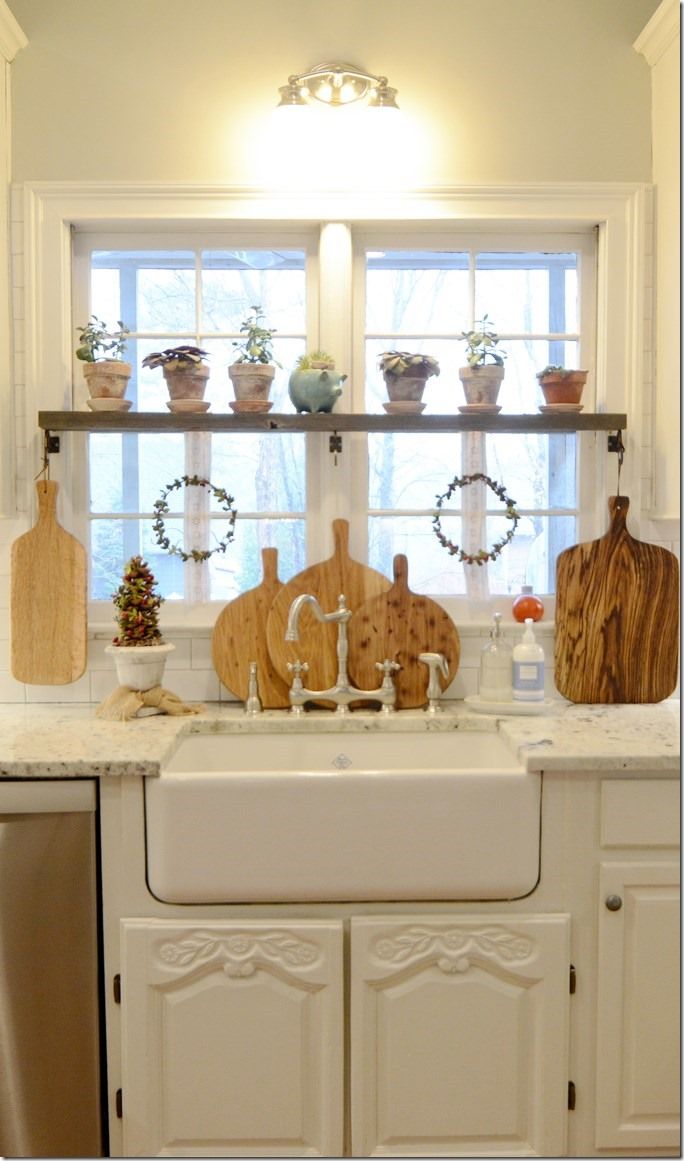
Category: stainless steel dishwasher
<point>49,1023</point>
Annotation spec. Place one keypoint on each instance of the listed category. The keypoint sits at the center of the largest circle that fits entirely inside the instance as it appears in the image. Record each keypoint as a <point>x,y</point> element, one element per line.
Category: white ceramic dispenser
<point>528,667</point>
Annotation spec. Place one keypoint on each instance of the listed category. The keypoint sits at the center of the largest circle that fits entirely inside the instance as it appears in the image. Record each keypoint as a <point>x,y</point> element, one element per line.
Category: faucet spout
<point>341,613</point>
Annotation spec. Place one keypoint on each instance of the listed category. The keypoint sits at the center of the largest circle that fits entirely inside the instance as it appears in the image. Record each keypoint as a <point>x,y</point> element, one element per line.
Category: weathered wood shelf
<point>148,421</point>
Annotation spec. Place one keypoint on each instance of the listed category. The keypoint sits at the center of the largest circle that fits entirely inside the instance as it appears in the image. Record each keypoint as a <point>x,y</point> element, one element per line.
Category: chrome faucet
<point>436,663</point>
<point>342,692</point>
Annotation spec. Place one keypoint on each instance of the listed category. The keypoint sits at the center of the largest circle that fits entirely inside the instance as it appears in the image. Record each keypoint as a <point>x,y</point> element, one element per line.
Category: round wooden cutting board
<point>398,625</point>
<point>317,644</point>
<point>240,637</point>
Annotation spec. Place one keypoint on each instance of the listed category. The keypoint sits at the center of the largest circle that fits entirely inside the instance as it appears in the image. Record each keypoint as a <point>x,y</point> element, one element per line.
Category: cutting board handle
<point>340,531</point>
<point>618,507</point>
<point>400,565</point>
<point>269,564</point>
<point>46,491</point>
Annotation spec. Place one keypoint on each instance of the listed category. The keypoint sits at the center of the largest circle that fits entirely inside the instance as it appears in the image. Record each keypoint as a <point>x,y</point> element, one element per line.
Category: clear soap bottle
<point>496,666</point>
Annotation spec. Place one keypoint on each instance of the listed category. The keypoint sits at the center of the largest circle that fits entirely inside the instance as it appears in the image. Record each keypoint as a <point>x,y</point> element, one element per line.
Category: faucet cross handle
<point>297,668</point>
<point>387,667</point>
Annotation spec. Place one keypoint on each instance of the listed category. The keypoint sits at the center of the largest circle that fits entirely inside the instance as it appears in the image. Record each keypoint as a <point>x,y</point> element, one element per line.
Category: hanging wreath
<point>482,554</point>
<point>161,509</point>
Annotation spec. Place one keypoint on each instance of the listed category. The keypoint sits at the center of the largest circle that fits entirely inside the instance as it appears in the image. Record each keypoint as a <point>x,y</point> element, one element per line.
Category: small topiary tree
<point>137,605</point>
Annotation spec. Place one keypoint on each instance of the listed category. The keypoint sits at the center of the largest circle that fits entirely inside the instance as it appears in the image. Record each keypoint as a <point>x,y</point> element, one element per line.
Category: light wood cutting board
<point>617,617</point>
<point>398,625</point>
<point>317,643</point>
<point>48,595</point>
<point>240,637</point>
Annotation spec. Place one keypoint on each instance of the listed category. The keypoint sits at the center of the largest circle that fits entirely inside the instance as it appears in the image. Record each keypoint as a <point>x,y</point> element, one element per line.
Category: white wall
<point>498,90</point>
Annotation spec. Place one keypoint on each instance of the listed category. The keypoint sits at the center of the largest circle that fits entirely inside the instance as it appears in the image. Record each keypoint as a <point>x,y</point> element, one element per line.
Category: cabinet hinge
<point>571,1095</point>
<point>116,988</point>
<point>573,980</point>
<point>119,1103</point>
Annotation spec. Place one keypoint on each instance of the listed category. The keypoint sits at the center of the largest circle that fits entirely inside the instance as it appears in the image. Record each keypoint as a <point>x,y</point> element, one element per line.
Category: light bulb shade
<point>290,95</point>
<point>337,85</point>
<point>383,97</point>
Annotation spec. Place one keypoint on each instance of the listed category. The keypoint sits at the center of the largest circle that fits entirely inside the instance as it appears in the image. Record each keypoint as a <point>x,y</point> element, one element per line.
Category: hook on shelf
<point>616,445</point>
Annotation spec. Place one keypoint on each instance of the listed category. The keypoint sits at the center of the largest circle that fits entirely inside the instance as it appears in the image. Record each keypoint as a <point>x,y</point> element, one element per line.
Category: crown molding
<point>660,32</point>
<point>12,38</point>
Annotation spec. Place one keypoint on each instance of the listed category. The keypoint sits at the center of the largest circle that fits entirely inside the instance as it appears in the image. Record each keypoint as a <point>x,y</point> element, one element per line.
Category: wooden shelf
<point>150,421</point>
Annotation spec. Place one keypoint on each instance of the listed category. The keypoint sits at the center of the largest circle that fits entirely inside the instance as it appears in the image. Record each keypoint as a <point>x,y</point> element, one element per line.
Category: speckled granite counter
<point>68,741</point>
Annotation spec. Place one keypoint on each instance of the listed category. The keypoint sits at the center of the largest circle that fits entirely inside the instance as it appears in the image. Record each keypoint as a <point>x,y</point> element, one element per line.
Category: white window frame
<point>620,211</point>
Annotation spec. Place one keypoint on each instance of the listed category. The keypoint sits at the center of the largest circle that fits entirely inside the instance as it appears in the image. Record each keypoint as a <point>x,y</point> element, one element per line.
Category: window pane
<point>410,471</point>
<point>525,292</point>
<point>414,291</point>
<point>235,280</point>
<point>240,567</point>
<point>430,569</point>
<point>263,473</point>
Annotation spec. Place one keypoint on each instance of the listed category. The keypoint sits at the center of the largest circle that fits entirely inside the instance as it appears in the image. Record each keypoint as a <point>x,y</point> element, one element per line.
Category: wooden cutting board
<point>617,617</point>
<point>48,595</point>
<point>317,643</point>
<point>240,637</point>
<point>399,625</point>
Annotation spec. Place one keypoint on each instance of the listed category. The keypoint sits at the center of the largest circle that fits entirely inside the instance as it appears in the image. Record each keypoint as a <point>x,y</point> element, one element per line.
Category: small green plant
<point>555,369</point>
<point>403,363</point>
<point>96,342</point>
<point>311,358</point>
<point>137,606</point>
<point>256,345</point>
<point>482,343</point>
<point>176,358</point>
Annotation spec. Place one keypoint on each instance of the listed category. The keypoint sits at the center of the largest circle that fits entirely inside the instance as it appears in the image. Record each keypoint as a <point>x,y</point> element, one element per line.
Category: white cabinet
<point>232,1038</point>
<point>637,1075</point>
<point>459,1034</point>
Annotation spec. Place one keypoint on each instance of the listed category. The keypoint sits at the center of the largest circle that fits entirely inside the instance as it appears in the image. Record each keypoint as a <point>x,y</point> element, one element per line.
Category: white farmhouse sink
<point>343,816</point>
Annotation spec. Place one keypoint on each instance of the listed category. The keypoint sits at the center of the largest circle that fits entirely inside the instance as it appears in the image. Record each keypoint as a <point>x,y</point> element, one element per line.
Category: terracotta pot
<point>186,382</point>
<point>107,379</point>
<point>481,384</point>
<point>404,388</point>
<point>251,380</point>
<point>140,667</point>
<point>562,386</point>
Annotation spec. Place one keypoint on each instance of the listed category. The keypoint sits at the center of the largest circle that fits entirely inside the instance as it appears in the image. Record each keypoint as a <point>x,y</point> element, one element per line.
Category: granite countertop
<point>68,741</point>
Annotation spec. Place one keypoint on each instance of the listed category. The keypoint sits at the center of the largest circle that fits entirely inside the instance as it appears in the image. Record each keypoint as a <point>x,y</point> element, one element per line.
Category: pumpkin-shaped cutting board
<point>48,594</point>
<point>398,625</point>
<point>240,637</point>
<point>317,644</point>
<point>617,617</point>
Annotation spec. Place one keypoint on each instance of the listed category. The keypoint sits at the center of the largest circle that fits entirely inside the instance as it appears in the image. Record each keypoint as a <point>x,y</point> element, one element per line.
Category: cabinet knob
<point>613,902</point>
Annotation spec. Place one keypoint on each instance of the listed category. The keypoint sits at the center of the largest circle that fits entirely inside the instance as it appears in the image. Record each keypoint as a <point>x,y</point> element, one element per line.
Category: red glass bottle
<point>526,604</point>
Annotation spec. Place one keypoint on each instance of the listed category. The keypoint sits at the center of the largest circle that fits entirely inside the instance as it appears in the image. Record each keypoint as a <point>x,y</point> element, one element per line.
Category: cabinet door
<point>232,1038</point>
<point>637,1074</point>
<point>460,1035</point>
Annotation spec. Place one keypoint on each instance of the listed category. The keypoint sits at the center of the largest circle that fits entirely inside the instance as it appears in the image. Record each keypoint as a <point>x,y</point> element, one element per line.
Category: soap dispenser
<point>496,666</point>
<point>528,667</point>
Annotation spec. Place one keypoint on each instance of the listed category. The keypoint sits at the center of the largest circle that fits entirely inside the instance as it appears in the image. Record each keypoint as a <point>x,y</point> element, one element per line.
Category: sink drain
<point>341,762</point>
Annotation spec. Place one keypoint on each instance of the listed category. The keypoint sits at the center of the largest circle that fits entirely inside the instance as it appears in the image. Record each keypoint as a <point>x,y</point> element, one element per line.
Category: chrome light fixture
<point>336,85</point>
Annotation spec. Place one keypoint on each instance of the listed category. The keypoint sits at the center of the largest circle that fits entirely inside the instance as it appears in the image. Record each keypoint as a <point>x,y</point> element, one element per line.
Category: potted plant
<point>314,385</point>
<point>104,369</point>
<point>405,376</point>
<point>185,374</point>
<point>139,650</point>
<point>252,371</point>
<point>560,386</point>
<point>483,375</point>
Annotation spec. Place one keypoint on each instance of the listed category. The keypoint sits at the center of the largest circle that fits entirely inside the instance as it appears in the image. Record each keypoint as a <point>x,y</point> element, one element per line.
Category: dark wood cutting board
<point>239,637</point>
<point>617,617</point>
<point>398,625</point>
<point>48,595</point>
<point>317,643</point>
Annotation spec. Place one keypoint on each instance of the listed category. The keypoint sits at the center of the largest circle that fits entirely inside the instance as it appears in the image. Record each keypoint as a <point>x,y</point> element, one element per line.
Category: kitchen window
<point>391,287</point>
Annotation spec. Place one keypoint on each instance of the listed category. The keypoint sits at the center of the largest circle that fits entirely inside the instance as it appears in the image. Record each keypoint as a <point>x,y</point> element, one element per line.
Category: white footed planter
<point>140,667</point>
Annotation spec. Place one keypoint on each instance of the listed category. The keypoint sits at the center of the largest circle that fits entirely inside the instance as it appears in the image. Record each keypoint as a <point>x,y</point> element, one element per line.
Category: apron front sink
<point>343,816</point>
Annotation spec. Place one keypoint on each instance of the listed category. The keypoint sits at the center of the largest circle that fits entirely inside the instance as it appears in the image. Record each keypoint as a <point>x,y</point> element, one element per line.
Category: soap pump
<point>496,666</point>
<point>528,667</point>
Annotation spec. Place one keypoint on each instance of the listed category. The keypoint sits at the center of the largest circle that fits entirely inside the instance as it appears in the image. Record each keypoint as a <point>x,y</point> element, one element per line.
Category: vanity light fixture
<point>337,84</point>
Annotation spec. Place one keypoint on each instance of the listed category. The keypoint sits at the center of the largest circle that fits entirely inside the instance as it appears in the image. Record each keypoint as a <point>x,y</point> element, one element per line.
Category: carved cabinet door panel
<point>459,1031</point>
<point>232,1038</point>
